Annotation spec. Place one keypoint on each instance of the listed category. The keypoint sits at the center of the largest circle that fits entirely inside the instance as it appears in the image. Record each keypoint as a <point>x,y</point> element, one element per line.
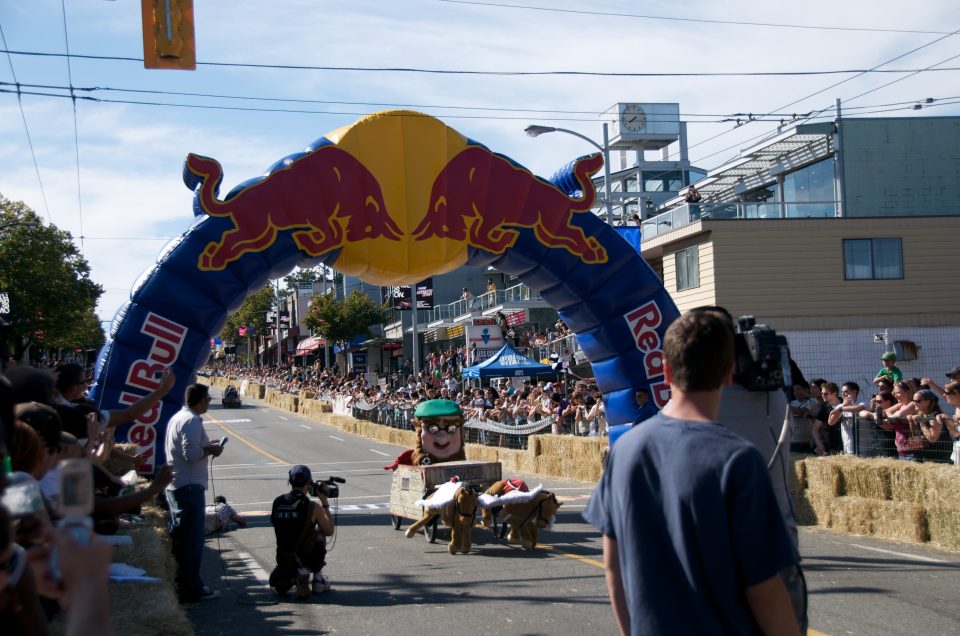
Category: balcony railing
<point>686,214</point>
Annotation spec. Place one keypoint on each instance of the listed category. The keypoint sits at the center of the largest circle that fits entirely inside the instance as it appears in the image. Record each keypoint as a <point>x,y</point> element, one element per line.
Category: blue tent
<point>507,362</point>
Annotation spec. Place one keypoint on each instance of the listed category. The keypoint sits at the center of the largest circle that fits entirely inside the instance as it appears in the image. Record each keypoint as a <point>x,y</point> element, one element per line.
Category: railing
<point>517,293</point>
<point>863,437</point>
<point>506,432</point>
<point>688,213</point>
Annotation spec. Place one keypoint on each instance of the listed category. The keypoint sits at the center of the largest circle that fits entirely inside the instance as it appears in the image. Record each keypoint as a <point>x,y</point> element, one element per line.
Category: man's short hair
<point>853,386</point>
<point>831,387</point>
<point>698,346</point>
<point>195,393</point>
<point>68,375</point>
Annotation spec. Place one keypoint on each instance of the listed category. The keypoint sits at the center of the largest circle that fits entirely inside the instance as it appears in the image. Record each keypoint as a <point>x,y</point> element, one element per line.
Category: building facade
<point>839,235</point>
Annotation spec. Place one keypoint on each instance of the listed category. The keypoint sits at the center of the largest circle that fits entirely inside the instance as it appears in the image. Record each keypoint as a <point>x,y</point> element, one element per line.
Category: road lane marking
<point>575,557</point>
<point>336,509</point>
<point>915,557</point>
<point>306,427</point>
<point>374,450</point>
<point>285,419</point>
<point>261,465</point>
<point>237,421</point>
<point>244,440</point>
<point>339,439</point>
<point>254,567</point>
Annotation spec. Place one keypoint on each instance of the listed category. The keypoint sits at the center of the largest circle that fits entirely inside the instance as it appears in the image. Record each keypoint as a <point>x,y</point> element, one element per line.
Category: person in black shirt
<point>301,526</point>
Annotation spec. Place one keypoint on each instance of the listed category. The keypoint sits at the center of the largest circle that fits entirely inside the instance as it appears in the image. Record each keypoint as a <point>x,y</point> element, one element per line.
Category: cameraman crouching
<point>301,526</point>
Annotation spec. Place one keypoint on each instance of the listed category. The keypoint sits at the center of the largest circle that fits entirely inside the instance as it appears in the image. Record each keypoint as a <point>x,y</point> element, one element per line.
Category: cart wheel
<point>431,530</point>
<point>395,521</point>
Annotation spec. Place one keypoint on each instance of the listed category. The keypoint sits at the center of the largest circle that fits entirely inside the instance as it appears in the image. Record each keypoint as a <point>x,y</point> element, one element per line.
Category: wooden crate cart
<point>413,483</point>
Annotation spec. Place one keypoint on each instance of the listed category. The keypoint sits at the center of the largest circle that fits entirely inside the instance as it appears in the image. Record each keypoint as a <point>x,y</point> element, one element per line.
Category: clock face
<point>633,118</point>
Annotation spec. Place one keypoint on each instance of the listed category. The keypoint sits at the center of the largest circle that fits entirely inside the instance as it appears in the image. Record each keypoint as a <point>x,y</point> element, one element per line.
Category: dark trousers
<point>186,533</point>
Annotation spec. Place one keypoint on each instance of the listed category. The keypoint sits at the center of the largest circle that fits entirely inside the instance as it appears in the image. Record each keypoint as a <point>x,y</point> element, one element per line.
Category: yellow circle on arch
<point>405,151</point>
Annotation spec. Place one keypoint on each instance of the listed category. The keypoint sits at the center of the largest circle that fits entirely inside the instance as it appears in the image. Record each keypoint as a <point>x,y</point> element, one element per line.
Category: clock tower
<point>644,126</point>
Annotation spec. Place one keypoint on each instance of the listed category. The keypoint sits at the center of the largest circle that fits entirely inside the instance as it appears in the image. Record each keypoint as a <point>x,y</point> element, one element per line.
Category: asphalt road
<point>384,583</point>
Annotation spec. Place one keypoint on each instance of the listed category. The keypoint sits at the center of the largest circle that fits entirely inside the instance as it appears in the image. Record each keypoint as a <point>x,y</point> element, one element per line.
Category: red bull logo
<point>327,196</point>
<point>480,197</point>
<point>396,214</point>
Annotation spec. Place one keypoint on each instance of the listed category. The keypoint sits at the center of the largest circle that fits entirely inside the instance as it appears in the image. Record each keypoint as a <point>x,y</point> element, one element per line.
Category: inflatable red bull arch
<point>393,198</point>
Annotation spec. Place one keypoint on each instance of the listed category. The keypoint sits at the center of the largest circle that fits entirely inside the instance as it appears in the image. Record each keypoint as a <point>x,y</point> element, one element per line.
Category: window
<point>809,191</point>
<point>873,259</point>
<point>688,268</point>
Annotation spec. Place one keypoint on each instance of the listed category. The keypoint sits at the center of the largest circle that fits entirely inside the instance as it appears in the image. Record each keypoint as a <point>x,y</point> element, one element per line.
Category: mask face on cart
<point>439,439</point>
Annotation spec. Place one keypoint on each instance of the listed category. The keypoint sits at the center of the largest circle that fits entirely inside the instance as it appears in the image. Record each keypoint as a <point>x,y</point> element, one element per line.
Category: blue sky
<point>131,199</point>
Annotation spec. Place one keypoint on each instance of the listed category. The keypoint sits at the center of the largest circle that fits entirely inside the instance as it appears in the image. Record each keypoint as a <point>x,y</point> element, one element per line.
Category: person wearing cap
<point>890,369</point>
<point>438,425</point>
<point>301,526</point>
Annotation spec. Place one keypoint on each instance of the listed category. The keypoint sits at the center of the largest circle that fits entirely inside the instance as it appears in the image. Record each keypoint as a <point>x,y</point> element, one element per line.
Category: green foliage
<point>302,276</point>
<point>341,322</point>
<point>253,313</point>
<point>52,299</point>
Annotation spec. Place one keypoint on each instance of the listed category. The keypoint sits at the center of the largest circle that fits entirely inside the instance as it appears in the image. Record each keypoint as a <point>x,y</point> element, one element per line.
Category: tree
<point>303,276</point>
<point>52,299</point>
<point>252,314</point>
<point>341,322</point>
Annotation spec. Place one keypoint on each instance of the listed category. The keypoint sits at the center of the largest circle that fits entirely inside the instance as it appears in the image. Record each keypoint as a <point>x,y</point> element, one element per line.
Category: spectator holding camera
<point>301,526</point>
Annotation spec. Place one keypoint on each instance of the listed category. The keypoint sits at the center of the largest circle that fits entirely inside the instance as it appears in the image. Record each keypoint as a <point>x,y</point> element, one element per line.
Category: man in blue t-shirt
<point>693,540</point>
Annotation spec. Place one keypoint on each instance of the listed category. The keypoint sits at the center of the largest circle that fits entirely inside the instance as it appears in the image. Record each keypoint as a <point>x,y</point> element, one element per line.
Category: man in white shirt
<point>187,448</point>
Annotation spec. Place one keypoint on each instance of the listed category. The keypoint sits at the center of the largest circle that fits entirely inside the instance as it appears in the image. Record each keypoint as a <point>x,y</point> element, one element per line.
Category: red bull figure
<point>481,196</point>
<point>327,195</point>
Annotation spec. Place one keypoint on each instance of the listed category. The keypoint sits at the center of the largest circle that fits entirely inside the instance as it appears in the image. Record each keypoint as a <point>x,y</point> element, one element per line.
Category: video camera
<point>762,357</point>
<point>327,487</point>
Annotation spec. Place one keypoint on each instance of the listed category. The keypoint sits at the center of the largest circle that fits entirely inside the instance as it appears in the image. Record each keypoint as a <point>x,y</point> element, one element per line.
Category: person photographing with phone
<point>188,449</point>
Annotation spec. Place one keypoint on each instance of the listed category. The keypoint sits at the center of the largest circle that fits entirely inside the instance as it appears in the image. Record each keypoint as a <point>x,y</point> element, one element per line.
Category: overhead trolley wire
<point>26,128</point>
<point>474,72</point>
<point>76,133</point>
<point>874,69</point>
<point>639,16</point>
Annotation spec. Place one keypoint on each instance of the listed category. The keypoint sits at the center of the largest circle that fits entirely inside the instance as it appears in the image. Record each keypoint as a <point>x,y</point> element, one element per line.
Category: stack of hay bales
<point>886,498</point>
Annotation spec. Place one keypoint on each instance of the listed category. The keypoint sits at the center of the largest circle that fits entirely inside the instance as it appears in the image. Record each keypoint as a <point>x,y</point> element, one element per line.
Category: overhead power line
<point>746,117</point>
<point>639,16</point>
<point>508,73</point>
<point>26,128</point>
<point>823,90</point>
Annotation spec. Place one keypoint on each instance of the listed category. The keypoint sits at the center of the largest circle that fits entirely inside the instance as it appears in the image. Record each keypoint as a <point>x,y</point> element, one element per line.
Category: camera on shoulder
<point>762,356</point>
<point>327,487</point>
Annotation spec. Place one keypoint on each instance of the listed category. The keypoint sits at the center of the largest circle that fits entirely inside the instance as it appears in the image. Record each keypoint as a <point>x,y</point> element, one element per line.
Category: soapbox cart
<point>413,483</point>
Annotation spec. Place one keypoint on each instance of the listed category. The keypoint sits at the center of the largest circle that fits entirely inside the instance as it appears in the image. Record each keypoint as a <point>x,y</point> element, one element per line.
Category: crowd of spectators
<point>901,417</point>
<point>46,419</point>
<point>574,406</point>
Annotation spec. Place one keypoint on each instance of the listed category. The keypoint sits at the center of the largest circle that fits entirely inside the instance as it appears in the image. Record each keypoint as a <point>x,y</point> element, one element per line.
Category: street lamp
<point>536,131</point>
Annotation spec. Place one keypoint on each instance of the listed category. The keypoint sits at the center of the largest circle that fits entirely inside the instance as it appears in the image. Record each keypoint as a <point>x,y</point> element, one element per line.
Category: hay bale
<point>908,482</point>
<point>797,475</point>
<point>943,523</point>
<point>823,476</point>
<point>897,520</point>
<point>941,484</point>
<point>812,508</point>
<point>143,608</point>
<point>868,478</point>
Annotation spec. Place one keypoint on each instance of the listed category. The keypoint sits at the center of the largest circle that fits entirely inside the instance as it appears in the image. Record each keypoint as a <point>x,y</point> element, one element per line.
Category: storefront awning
<point>309,345</point>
